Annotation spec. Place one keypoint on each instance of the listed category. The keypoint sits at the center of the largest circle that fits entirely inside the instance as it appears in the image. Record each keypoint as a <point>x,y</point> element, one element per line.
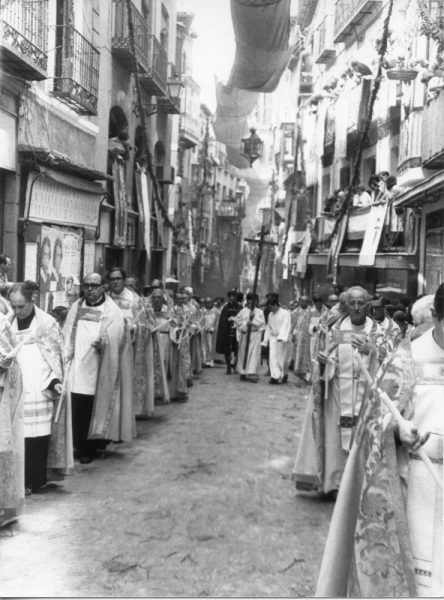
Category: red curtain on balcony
<point>261,31</point>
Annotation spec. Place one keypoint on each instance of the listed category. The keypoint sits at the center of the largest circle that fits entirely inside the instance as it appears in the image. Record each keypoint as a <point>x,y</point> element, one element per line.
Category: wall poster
<point>31,259</point>
<point>60,266</point>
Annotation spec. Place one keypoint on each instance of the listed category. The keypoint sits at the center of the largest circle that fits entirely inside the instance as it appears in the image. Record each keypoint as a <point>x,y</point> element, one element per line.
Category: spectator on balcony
<point>362,198</point>
<point>330,205</point>
<point>373,186</point>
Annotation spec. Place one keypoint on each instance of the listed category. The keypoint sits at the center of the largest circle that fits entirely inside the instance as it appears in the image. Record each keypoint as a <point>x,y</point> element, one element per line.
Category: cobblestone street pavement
<point>202,504</point>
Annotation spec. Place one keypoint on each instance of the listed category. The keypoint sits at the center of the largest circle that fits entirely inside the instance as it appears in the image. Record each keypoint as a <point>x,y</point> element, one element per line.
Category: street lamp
<point>175,87</point>
<point>170,103</point>
<point>252,147</point>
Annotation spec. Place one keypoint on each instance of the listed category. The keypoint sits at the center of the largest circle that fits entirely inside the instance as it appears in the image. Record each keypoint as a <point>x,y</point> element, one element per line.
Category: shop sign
<point>54,202</point>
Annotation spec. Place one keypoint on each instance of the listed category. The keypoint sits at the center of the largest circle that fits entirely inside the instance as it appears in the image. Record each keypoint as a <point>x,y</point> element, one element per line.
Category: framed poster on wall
<point>60,265</point>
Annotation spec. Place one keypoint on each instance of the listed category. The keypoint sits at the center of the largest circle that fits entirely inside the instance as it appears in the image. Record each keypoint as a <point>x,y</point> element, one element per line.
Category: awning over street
<point>261,31</point>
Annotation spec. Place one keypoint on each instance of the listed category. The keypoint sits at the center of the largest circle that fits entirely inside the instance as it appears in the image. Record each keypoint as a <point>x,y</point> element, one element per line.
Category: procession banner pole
<point>261,243</point>
<point>403,424</point>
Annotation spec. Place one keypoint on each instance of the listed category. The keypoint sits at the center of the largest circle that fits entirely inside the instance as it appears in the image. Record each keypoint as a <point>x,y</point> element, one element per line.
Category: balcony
<point>154,80</point>
<point>357,223</point>
<point>432,139</point>
<point>77,71</point>
<point>324,50</point>
<point>170,103</point>
<point>229,209</point>
<point>306,83</point>
<point>351,15</point>
<point>297,43</point>
<point>410,169</point>
<point>120,42</point>
<point>23,38</point>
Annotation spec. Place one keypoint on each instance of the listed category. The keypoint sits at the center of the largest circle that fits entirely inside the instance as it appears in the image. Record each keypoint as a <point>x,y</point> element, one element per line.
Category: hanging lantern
<point>252,147</point>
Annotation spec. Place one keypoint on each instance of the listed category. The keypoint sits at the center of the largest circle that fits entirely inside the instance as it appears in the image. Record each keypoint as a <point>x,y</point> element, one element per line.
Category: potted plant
<point>400,69</point>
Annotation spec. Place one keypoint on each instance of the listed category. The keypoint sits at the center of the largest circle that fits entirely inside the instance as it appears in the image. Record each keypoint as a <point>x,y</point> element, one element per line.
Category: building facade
<point>76,77</point>
<point>351,125</point>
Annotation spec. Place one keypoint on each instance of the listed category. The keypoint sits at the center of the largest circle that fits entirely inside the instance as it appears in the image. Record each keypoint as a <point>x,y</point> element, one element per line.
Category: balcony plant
<point>400,69</point>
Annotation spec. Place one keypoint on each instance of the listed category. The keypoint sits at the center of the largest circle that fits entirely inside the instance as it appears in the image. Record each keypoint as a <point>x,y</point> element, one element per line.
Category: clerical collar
<point>98,303</point>
<point>26,322</point>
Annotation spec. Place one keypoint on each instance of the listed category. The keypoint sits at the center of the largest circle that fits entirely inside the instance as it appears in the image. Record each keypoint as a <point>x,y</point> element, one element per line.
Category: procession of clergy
<point>374,415</point>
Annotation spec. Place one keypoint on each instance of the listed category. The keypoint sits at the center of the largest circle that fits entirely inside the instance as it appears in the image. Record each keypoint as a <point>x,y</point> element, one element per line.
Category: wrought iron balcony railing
<point>189,130</point>
<point>23,38</point>
<point>351,15</point>
<point>170,103</point>
<point>76,81</point>
<point>155,79</point>
<point>324,50</point>
<point>120,42</point>
<point>229,209</point>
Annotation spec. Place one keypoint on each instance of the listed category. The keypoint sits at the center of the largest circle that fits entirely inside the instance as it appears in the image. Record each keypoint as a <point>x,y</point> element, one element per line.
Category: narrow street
<point>202,504</point>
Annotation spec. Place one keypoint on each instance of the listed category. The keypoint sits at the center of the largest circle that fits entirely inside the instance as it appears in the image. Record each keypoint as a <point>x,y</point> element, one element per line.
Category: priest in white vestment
<point>40,359</point>
<point>337,393</point>
<point>386,535</point>
<point>253,319</point>
<point>94,336</point>
<point>209,316</point>
<point>12,466</point>
<point>138,390</point>
<point>277,335</point>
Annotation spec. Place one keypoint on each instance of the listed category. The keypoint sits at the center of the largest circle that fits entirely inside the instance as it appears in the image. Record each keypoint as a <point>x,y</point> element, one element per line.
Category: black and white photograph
<point>221,298</point>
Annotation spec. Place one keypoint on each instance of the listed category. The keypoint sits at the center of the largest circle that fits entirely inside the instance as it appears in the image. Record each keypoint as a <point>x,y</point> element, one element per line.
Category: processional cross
<point>261,242</point>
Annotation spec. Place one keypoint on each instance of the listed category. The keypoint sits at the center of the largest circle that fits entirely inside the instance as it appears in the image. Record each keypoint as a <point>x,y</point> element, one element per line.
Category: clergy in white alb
<point>40,357</point>
<point>277,335</point>
<point>253,319</point>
